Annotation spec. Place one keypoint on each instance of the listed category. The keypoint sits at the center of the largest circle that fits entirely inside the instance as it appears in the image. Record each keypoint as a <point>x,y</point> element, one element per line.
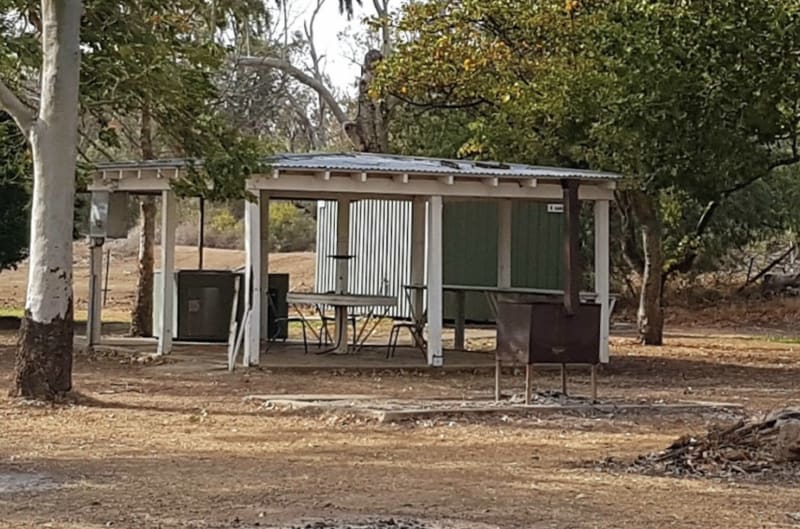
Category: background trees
<point>696,103</point>
<point>146,64</point>
<point>14,193</point>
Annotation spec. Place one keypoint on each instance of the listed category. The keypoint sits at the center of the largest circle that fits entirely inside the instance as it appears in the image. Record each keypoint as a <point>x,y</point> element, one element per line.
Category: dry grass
<point>123,272</point>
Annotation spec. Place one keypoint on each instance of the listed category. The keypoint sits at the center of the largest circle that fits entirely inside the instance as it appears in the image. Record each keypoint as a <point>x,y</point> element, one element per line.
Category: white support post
<point>601,273</point>
<point>95,313</point>
<point>342,244</point>
<point>342,270</point>
<point>264,247</point>
<point>168,223</point>
<point>435,305</point>
<point>253,292</point>
<point>504,210</point>
<point>417,254</point>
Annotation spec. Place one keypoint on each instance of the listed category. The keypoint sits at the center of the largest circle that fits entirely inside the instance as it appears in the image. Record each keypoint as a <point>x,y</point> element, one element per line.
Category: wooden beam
<point>447,180</point>
<point>528,182</point>
<point>492,181</point>
<point>400,178</point>
<point>360,177</point>
<point>302,185</point>
<point>572,262</point>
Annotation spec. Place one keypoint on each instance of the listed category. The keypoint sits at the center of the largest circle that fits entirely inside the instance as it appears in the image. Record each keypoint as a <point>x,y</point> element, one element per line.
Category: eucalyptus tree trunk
<point>43,367</point>
<point>650,316</point>
<point>142,313</point>
<point>369,132</point>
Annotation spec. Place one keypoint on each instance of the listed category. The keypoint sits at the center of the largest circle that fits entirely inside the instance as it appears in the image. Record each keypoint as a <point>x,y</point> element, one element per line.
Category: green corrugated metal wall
<point>470,250</point>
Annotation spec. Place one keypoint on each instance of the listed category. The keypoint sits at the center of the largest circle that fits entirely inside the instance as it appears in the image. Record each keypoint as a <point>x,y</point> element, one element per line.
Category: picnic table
<point>341,302</point>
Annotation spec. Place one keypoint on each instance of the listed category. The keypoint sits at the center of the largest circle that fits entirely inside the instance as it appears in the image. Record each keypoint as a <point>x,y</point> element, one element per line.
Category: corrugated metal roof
<point>368,162</point>
<point>388,163</point>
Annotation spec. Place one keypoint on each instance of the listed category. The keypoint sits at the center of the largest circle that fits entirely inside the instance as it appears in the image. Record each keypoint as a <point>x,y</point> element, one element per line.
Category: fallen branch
<point>775,262</point>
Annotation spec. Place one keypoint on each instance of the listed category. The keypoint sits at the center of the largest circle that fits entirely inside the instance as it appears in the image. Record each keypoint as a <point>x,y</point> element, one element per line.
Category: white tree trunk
<point>44,357</point>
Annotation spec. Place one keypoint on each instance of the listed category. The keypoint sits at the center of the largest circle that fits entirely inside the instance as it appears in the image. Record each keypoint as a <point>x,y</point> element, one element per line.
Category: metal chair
<point>288,319</point>
<point>415,327</point>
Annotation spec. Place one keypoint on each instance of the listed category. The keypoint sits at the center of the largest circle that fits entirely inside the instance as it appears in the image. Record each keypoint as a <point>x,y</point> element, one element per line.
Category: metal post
<point>201,228</point>
<point>572,265</point>
<point>105,277</point>
<point>460,322</point>
<point>528,383</point>
<point>497,373</point>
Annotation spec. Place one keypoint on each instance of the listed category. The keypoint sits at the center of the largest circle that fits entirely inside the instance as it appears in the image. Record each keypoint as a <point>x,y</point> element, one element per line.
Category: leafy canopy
<point>696,102</point>
<point>15,166</point>
<point>159,57</point>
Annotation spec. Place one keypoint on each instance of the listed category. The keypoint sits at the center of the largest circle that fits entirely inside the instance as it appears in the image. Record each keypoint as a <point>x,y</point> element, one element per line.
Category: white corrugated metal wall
<point>380,240</point>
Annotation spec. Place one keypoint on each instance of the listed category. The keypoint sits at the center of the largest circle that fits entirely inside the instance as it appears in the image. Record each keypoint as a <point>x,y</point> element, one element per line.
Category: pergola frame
<point>358,177</point>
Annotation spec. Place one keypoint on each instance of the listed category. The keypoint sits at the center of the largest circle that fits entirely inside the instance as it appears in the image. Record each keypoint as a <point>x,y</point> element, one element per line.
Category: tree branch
<point>784,162</point>
<point>450,106</point>
<point>303,77</point>
<point>19,111</point>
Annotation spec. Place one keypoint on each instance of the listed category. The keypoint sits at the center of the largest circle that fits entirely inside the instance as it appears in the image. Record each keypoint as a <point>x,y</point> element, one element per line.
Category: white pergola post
<point>504,243</point>
<point>95,310</point>
<point>435,304</point>
<point>342,269</point>
<point>168,223</point>
<point>342,244</point>
<point>601,272</point>
<point>253,297</point>
<point>417,254</point>
<point>264,248</point>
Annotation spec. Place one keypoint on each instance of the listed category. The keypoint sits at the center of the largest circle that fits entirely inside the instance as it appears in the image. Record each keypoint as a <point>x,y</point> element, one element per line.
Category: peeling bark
<point>43,364</point>
<point>44,354</point>
<point>369,132</point>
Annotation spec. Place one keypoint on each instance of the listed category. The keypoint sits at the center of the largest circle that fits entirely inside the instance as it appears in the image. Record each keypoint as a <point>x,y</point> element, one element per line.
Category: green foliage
<point>160,57</point>
<point>695,102</point>
<point>15,166</point>
<point>291,228</point>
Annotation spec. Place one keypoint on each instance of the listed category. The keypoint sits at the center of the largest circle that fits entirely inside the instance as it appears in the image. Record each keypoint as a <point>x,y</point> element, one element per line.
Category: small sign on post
<point>108,215</point>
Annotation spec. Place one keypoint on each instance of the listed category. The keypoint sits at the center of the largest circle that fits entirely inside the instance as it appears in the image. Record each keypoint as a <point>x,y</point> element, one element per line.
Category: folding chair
<point>415,327</point>
<point>288,319</point>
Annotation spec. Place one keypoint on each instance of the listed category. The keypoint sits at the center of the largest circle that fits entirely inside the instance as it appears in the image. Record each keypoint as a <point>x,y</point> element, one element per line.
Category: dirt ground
<point>166,447</point>
<point>177,446</point>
